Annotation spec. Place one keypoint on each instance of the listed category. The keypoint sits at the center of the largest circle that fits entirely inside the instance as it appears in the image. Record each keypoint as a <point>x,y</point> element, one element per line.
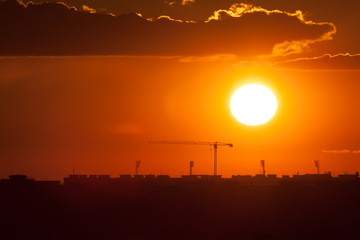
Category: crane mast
<point>215,145</point>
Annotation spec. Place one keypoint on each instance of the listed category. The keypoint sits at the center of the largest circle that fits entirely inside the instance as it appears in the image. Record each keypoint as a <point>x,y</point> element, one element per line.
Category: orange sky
<point>95,114</point>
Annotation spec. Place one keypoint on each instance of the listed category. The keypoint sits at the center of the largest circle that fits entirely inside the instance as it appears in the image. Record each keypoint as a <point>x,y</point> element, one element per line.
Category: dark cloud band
<point>56,29</point>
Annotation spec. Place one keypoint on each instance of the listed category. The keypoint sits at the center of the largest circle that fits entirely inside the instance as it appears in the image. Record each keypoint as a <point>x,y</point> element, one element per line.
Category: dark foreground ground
<point>186,211</point>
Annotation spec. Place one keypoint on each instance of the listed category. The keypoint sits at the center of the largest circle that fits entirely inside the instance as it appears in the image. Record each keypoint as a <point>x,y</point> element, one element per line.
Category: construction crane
<point>215,145</point>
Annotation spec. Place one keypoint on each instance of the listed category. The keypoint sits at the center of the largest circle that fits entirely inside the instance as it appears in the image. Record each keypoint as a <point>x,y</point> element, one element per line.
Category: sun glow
<point>253,104</point>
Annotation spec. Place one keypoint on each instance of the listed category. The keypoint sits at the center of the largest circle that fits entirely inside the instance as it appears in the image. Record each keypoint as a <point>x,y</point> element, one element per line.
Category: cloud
<point>88,9</point>
<point>187,2</point>
<point>286,47</point>
<point>210,58</point>
<point>179,2</point>
<point>170,3</point>
<point>243,30</point>
<point>342,151</point>
<point>327,61</point>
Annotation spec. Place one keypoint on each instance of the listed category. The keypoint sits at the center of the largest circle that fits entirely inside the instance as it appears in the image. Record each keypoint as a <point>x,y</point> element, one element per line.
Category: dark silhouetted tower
<point>137,166</point>
<point>317,165</point>
<point>262,162</point>
<point>191,167</point>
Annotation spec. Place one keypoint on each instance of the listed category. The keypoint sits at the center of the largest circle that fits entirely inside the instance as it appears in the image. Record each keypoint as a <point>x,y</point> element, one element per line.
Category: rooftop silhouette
<point>310,206</point>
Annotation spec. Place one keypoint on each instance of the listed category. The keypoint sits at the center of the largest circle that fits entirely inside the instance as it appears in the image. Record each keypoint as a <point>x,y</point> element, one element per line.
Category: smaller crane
<point>215,145</point>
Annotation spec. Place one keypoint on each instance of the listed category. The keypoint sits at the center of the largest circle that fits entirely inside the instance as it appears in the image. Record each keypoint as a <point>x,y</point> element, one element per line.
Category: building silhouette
<point>309,206</point>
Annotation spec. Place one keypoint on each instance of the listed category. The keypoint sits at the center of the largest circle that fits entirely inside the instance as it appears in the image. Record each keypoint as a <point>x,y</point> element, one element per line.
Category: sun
<point>253,104</point>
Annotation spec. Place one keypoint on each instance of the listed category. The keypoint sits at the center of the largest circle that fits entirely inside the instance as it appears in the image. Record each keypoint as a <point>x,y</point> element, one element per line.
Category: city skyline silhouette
<point>313,206</point>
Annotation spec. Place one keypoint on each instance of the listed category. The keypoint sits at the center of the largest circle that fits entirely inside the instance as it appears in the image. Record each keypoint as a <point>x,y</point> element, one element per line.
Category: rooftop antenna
<point>262,162</point>
<point>74,171</point>
<point>137,165</point>
<point>191,167</point>
<point>317,165</point>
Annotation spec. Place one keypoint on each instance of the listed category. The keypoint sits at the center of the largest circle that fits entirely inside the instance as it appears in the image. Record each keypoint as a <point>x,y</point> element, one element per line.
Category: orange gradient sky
<point>96,114</point>
<point>92,106</point>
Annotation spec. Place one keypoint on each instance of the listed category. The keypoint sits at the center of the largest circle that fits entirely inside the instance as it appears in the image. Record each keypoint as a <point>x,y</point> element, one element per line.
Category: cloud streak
<point>341,151</point>
<point>244,30</point>
<point>345,61</point>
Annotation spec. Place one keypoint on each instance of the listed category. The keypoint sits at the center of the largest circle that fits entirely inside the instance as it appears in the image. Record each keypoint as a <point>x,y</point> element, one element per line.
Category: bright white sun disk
<point>253,104</point>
